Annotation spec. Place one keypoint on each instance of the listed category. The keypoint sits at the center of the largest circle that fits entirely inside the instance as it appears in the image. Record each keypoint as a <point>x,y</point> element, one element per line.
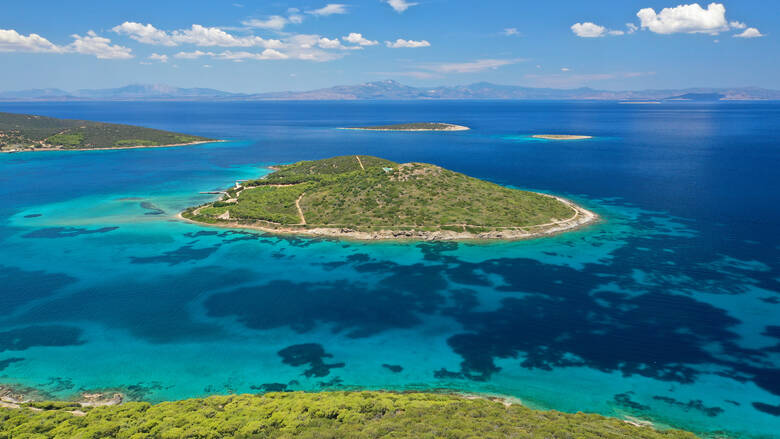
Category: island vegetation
<point>417,126</point>
<point>366,197</point>
<point>315,415</point>
<point>560,137</point>
<point>25,132</point>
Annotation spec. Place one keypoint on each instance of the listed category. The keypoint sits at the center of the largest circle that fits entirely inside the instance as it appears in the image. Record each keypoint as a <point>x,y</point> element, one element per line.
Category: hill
<point>25,132</point>
<point>316,415</point>
<point>366,197</point>
<point>381,90</point>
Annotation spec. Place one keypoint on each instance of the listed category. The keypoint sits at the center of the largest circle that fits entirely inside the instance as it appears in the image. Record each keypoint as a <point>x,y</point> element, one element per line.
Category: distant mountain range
<point>390,90</point>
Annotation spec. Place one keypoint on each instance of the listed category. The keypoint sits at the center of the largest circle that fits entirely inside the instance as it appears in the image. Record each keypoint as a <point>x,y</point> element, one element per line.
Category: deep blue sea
<point>668,311</point>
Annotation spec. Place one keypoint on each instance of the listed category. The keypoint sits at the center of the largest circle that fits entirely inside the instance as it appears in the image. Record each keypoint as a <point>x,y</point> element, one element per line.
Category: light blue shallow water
<point>667,311</point>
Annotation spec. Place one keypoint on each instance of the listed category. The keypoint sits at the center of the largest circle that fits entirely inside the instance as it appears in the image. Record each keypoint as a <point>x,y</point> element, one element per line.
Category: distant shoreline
<point>114,147</point>
<point>442,127</point>
<point>560,137</point>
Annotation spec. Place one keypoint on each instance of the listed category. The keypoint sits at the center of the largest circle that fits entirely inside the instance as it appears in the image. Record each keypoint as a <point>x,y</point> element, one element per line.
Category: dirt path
<point>300,211</point>
<point>360,163</point>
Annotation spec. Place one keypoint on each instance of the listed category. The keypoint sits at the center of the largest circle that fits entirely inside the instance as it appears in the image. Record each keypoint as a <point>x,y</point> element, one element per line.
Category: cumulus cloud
<point>266,54</point>
<point>329,9</point>
<point>197,35</point>
<point>356,38</point>
<point>89,44</point>
<point>588,30</point>
<point>144,33</point>
<point>13,41</point>
<point>275,22</point>
<point>685,19</point>
<point>92,44</point>
<point>192,55</point>
<point>473,66</point>
<point>511,31</point>
<point>400,5</point>
<point>631,28</point>
<point>750,32</point>
<point>399,43</point>
<point>738,25</point>
<point>158,57</point>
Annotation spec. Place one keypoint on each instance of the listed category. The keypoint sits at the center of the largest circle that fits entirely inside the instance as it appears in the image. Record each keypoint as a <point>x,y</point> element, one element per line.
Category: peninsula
<point>25,132</point>
<point>369,198</point>
<point>560,137</point>
<point>417,126</point>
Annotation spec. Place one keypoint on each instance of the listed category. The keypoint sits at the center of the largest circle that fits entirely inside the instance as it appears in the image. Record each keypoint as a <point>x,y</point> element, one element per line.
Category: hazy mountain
<point>392,90</point>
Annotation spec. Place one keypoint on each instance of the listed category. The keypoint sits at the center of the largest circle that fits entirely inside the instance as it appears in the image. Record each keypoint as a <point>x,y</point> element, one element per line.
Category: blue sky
<point>257,46</point>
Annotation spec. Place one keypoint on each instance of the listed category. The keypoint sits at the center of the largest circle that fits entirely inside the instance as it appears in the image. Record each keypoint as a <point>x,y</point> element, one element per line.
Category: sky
<point>259,46</point>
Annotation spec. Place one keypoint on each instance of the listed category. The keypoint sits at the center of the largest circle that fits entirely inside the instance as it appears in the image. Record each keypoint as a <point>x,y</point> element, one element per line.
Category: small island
<point>418,126</point>
<point>26,132</point>
<point>369,198</point>
<point>560,137</point>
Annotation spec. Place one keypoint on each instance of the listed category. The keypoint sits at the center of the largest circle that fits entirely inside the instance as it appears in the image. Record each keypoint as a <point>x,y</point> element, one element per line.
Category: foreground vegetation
<point>368,193</point>
<point>317,415</point>
<point>24,132</point>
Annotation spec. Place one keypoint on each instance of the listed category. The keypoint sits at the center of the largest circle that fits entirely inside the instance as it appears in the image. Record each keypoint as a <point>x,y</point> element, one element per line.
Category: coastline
<point>560,137</point>
<point>581,218</point>
<point>108,148</point>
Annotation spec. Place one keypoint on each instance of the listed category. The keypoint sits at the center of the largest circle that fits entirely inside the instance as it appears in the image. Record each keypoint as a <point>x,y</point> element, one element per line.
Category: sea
<point>666,311</point>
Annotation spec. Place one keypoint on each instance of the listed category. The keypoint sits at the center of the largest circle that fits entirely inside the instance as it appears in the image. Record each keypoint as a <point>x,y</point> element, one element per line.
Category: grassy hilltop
<point>24,132</point>
<point>316,415</point>
<point>367,194</point>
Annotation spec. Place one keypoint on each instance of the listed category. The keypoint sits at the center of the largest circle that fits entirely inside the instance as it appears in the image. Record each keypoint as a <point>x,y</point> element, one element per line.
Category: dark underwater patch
<point>624,400</point>
<point>181,255</point>
<point>33,215</point>
<point>312,354</point>
<point>270,387</point>
<point>8,361</point>
<point>152,209</point>
<point>773,410</point>
<point>153,308</point>
<point>395,368</point>
<point>696,404</point>
<point>21,286</point>
<point>20,339</point>
<point>65,232</point>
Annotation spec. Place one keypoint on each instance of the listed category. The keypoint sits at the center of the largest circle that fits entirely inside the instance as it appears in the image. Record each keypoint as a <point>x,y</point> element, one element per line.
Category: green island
<point>337,414</point>
<point>417,126</point>
<point>370,198</point>
<point>25,132</point>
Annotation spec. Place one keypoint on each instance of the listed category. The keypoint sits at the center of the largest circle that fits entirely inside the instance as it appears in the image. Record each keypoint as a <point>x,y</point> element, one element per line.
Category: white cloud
<point>685,19</point>
<point>631,28</point>
<point>101,47</point>
<point>90,44</point>
<point>329,9</point>
<point>158,57</point>
<point>588,30</point>
<point>738,25</point>
<point>400,5</point>
<point>144,33</point>
<point>197,35</point>
<point>264,55</point>
<point>473,66</point>
<point>511,31</point>
<point>327,43</point>
<point>356,38</point>
<point>192,55</point>
<point>750,32</point>
<point>12,41</point>
<point>399,43</point>
<point>275,22</point>
<point>565,69</point>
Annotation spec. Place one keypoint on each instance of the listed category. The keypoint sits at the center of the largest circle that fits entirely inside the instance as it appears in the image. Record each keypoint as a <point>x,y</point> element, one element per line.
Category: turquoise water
<point>666,311</point>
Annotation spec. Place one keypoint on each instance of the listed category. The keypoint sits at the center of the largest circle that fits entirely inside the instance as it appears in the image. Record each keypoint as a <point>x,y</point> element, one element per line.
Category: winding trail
<point>360,163</point>
<point>300,211</point>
